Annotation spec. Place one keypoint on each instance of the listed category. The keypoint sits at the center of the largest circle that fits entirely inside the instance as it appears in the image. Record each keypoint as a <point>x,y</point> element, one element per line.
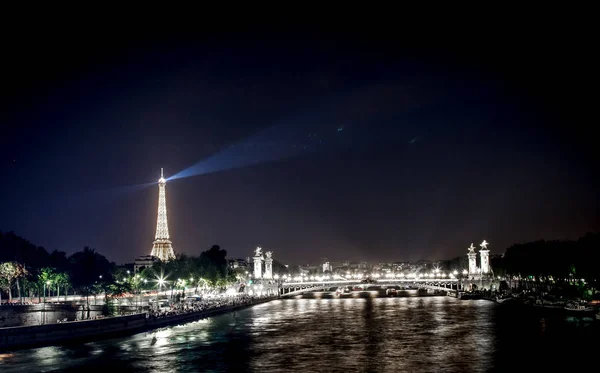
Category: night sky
<point>415,146</point>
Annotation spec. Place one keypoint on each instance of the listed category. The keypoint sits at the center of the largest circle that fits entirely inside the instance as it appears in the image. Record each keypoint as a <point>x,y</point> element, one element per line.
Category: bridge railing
<point>308,287</point>
<point>386,280</point>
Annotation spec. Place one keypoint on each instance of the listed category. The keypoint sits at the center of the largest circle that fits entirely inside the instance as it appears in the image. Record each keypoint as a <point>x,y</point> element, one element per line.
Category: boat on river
<point>504,298</point>
<point>579,308</point>
<point>549,304</point>
<point>469,295</point>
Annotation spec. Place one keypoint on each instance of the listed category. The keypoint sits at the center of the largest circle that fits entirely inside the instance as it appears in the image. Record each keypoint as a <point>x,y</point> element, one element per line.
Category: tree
<point>11,272</point>
<point>59,261</point>
<point>61,279</point>
<point>213,264</point>
<point>17,249</point>
<point>44,279</point>
<point>87,267</point>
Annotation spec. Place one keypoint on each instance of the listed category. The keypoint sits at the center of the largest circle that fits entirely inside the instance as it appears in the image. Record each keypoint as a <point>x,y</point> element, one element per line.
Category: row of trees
<point>29,270</point>
<point>560,259</point>
<point>209,269</point>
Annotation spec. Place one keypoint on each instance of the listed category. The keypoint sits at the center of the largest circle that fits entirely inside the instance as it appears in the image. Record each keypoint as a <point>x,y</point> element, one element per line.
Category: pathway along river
<point>422,334</point>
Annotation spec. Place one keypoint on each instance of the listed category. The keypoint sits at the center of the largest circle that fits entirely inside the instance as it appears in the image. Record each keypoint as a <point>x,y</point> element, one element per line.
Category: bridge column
<point>258,259</point>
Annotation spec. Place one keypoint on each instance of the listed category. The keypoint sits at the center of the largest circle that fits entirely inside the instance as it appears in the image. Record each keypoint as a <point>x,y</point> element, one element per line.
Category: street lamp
<point>46,283</point>
<point>160,283</point>
<point>44,306</point>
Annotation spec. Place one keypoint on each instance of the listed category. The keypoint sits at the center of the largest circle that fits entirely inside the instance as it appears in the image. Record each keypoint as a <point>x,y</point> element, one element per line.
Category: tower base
<point>163,250</point>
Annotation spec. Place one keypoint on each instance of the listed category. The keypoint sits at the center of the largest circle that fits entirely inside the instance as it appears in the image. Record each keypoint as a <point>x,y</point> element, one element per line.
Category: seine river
<point>407,334</point>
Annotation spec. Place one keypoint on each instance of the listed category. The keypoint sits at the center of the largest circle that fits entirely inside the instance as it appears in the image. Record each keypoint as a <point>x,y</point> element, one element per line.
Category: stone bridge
<point>450,285</point>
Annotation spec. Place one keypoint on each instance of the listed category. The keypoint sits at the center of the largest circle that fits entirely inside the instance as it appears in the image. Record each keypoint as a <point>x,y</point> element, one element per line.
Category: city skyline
<point>340,146</point>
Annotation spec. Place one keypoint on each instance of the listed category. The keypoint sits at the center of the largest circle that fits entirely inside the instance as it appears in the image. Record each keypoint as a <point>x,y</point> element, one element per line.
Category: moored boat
<point>578,307</point>
<point>391,292</point>
<point>548,304</point>
<point>503,299</point>
<point>468,296</point>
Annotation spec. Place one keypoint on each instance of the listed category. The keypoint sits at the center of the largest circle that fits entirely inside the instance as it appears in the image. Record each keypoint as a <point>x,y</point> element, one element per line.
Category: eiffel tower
<point>161,247</point>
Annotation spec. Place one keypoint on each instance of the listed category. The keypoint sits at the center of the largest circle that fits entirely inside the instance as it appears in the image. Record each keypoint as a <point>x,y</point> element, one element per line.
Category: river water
<point>406,334</point>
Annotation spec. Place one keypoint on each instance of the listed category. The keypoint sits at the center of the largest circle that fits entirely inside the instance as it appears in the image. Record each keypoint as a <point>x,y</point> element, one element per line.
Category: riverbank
<point>19,337</point>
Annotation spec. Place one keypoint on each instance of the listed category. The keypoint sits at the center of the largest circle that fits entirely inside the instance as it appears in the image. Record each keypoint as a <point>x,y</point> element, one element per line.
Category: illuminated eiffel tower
<point>161,247</point>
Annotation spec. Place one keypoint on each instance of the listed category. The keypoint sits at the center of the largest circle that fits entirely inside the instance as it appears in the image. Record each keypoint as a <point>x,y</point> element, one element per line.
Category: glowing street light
<point>46,283</point>
<point>160,282</point>
<point>44,310</point>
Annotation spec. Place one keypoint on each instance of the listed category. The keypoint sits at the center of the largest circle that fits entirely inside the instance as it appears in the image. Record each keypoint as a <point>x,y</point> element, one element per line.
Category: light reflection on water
<point>351,334</point>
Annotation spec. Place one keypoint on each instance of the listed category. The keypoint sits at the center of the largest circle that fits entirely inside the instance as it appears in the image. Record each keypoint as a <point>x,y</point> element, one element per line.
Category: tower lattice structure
<point>161,247</point>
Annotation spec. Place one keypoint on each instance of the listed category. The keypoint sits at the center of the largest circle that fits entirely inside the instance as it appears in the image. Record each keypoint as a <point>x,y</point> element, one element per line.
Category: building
<point>144,261</point>
<point>237,263</point>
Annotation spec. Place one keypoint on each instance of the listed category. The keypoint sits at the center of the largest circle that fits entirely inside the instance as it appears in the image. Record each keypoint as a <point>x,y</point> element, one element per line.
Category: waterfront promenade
<point>68,332</point>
